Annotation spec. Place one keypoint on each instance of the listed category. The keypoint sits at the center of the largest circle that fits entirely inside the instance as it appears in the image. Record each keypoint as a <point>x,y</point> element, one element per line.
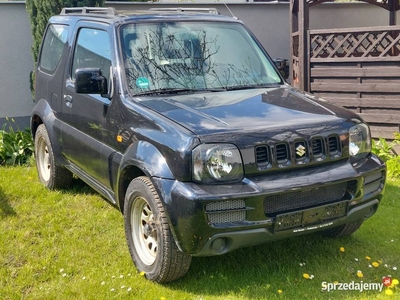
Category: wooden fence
<point>358,68</point>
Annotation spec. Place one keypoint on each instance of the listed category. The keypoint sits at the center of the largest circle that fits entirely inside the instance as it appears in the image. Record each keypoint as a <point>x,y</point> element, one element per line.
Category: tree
<point>40,11</point>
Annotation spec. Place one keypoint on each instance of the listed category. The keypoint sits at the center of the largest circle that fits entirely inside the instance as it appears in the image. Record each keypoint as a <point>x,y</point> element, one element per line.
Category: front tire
<point>51,175</point>
<point>150,241</point>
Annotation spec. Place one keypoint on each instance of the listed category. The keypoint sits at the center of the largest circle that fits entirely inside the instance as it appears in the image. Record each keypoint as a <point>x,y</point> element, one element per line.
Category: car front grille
<point>294,200</point>
<point>300,151</point>
<point>374,183</point>
<point>220,212</point>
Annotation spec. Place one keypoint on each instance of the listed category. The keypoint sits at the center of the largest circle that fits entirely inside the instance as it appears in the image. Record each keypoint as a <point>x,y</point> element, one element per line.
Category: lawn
<point>71,245</point>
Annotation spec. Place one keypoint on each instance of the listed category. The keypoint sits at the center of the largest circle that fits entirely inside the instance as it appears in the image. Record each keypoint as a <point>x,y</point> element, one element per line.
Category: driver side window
<point>92,50</point>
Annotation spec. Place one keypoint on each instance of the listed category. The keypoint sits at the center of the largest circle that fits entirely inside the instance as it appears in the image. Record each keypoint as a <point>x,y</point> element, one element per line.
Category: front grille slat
<point>282,153</point>
<point>317,147</point>
<point>333,145</point>
<point>262,156</point>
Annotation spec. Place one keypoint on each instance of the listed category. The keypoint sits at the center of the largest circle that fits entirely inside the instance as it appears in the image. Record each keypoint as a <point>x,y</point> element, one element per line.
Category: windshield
<point>196,56</point>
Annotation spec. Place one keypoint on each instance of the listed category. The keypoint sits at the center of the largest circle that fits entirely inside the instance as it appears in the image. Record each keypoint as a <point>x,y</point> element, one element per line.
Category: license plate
<point>311,216</point>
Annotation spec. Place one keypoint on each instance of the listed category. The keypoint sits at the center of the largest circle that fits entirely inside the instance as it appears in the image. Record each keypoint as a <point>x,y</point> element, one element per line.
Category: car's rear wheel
<point>150,241</point>
<point>342,230</point>
<point>51,175</point>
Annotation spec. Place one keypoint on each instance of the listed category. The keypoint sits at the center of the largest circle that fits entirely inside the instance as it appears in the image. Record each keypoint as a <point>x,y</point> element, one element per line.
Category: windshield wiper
<point>251,86</point>
<point>166,91</point>
<point>178,90</point>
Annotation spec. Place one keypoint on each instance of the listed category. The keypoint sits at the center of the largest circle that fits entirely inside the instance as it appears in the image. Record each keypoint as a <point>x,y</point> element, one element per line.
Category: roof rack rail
<point>89,10</point>
<point>210,10</point>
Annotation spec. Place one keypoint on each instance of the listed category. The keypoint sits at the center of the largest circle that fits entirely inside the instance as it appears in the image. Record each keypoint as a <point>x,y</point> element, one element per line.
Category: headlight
<point>217,163</point>
<point>359,141</point>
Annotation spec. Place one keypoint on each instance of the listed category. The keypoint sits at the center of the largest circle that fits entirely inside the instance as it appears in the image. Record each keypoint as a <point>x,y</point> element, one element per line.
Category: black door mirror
<point>90,81</point>
<point>283,66</point>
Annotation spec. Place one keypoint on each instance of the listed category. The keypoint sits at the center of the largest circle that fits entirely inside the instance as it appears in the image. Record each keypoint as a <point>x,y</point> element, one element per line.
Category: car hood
<point>252,110</point>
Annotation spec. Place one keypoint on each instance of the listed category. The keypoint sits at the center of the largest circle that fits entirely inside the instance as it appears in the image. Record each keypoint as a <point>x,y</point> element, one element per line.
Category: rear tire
<point>150,241</point>
<point>51,175</point>
<point>343,230</point>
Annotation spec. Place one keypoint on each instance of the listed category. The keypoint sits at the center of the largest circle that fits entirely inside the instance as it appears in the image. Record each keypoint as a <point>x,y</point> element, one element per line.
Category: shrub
<point>16,146</point>
<point>385,150</point>
<point>393,167</point>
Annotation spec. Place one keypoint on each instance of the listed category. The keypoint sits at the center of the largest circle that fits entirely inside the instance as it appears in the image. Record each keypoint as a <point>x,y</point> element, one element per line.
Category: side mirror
<point>283,66</point>
<point>90,81</point>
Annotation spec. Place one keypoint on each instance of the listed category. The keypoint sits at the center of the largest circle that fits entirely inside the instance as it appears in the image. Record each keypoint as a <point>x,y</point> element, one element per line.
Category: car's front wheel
<point>150,241</point>
<point>50,174</point>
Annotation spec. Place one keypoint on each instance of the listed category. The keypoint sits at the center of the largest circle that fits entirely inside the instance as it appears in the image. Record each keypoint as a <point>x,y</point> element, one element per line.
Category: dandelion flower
<point>375,264</point>
<point>395,281</point>
<point>306,276</point>
<point>360,274</point>
<point>389,292</point>
<point>367,258</point>
<point>280,291</point>
<point>163,298</point>
<point>142,273</point>
<point>341,249</point>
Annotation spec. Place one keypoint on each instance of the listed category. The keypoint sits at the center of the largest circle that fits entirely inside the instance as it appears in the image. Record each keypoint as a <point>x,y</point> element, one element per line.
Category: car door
<point>85,114</point>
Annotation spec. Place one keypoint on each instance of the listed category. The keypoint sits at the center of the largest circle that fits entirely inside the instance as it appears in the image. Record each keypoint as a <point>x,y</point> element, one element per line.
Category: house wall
<point>15,63</point>
<point>268,21</point>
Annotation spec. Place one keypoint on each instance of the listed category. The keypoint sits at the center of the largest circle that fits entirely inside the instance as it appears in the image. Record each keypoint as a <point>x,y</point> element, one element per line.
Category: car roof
<point>110,15</point>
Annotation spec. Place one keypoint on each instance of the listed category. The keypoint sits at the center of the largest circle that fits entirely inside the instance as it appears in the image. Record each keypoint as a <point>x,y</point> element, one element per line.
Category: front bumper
<point>215,219</point>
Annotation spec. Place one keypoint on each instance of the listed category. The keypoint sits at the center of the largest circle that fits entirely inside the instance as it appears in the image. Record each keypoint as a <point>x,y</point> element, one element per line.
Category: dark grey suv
<point>181,120</point>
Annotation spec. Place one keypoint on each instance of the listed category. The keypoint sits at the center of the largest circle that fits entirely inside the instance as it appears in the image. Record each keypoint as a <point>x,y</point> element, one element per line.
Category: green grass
<point>71,245</point>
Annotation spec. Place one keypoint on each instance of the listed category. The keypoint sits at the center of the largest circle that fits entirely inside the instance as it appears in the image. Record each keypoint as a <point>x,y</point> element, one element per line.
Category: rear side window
<point>53,46</point>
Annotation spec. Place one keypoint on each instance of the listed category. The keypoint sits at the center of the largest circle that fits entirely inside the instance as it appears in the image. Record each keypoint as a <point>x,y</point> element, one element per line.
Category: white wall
<point>15,61</point>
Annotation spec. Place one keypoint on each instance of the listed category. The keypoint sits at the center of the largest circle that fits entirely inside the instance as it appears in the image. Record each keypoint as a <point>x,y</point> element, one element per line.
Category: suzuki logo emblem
<point>300,150</point>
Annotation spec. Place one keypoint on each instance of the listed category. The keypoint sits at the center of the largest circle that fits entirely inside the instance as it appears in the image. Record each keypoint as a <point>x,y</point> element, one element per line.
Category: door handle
<point>68,100</point>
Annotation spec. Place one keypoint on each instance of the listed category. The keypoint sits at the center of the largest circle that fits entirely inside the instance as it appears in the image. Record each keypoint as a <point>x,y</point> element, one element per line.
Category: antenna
<point>233,16</point>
